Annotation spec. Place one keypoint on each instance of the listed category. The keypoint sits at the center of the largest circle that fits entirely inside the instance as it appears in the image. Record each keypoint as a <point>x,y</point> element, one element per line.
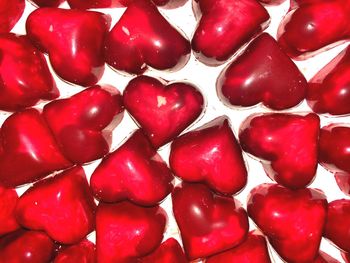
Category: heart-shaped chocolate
<point>24,75</point>
<point>10,12</point>
<point>162,109</point>
<point>293,220</point>
<point>208,223</point>
<point>290,162</point>
<point>143,37</point>
<point>83,124</point>
<point>61,205</point>
<point>8,201</point>
<point>83,252</point>
<point>73,40</point>
<point>133,166</point>
<point>216,157</point>
<point>262,74</point>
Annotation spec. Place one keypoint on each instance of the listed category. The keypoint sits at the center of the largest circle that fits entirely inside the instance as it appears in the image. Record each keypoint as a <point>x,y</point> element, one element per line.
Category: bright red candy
<point>125,231</point>
<point>293,221</point>
<point>26,247</point>
<point>83,252</point>
<point>133,166</point>
<point>8,201</point>
<point>262,74</point>
<point>215,157</point>
<point>83,124</point>
<point>86,4</point>
<point>162,109</point>
<point>73,40</point>
<point>312,26</point>
<point>25,76</point>
<point>285,144</point>
<point>143,37</point>
<point>47,3</point>
<point>208,223</point>
<point>61,205</point>
<point>219,33</point>
<point>28,151</point>
<point>10,12</point>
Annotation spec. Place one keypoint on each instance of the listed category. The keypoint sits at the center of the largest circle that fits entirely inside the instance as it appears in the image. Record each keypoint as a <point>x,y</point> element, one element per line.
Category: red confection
<point>47,3</point>
<point>83,252</point>
<point>10,12</point>
<point>8,201</point>
<point>86,4</point>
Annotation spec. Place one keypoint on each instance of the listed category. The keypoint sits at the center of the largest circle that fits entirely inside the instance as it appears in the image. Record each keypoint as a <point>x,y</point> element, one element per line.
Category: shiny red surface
<point>219,33</point>
<point>83,124</point>
<point>312,26</point>
<point>162,109</point>
<point>28,151</point>
<point>8,201</point>
<point>216,157</point>
<point>26,247</point>
<point>253,249</point>
<point>86,4</point>
<point>208,223</point>
<point>169,251</point>
<point>272,2</point>
<point>25,76</point>
<point>73,40</point>
<point>286,145</point>
<point>329,89</point>
<point>293,221</point>
<point>143,37</point>
<point>125,231</point>
<point>83,252</point>
<point>47,3</point>
<point>61,205</point>
<point>325,258</point>
<point>262,74</point>
<point>10,12</point>
<point>133,166</point>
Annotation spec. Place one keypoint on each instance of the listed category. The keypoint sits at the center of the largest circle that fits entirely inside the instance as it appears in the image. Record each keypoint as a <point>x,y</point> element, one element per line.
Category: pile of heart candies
<point>47,147</point>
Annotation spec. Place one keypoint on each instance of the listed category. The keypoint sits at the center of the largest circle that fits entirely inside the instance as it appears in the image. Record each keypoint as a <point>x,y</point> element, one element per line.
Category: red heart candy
<point>291,163</point>
<point>263,73</point>
<point>312,26</point>
<point>73,40</point>
<point>47,3</point>
<point>133,166</point>
<point>325,258</point>
<point>10,12</point>
<point>208,223</point>
<point>25,76</point>
<point>169,251</point>
<point>83,252</point>
<point>329,89</point>
<point>219,34</point>
<point>62,205</point>
<point>26,247</point>
<point>125,231</point>
<point>216,157</point>
<point>8,201</point>
<point>143,37</point>
<point>293,221</point>
<point>83,123</point>
<point>28,151</point>
<point>162,109</point>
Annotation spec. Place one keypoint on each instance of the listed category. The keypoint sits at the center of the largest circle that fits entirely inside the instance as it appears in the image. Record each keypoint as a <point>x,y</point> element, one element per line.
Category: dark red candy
<point>8,201</point>
<point>47,3</point>
<point>83,252</point>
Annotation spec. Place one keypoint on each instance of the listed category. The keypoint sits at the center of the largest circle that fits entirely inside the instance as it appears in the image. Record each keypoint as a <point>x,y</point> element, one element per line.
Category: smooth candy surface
<point>215,157</point>
<point>83,252</point>
<point>262,74</point>
<point>293,221</point>
<point>162,109</point>
<point>143,37</point>
<point>286,145</point>
<point>208,223</point>
<point>62,205</point>
<point>10,12</point>
<point>8,201</point>
<point>73,40</point>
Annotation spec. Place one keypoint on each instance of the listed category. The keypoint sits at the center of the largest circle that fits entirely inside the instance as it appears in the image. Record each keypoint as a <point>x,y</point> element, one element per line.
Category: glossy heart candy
<point>312,26</point>
<point>83,252</point>
<point>125,231</point>
<point>143,37</point>
<point>83,124</point>
<point>26,247</point>
<point>208,223</point>
<point>47,3</point>
<point>86,4</point>
<point>162,109</point>
<point>25,76</point>
<point>62,205</point>
<point>28,151</point>
<point>262,74</point>
<point>219,33</point>
<point>10,13</point>
<point>216,157</point>
<point>8,201</point>
<point>293,221</point>
<point>291,162</point>
<point>73,40</point>
<point>133,166</point>
<point>253,249</point>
